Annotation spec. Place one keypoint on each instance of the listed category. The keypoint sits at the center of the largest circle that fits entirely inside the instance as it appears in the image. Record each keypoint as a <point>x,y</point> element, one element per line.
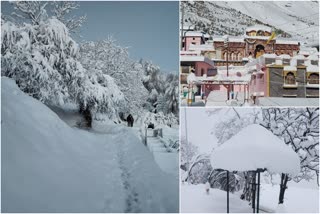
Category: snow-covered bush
<point>42,60</point>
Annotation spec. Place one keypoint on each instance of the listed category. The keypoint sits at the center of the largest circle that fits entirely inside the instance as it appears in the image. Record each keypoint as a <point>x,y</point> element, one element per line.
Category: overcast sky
<point>150,29</point>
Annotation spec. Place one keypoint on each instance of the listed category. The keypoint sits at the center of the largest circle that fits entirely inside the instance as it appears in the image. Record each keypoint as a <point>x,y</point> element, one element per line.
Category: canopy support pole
<point>258,195</point>
<point>253,198</point>
<point>227,191</point>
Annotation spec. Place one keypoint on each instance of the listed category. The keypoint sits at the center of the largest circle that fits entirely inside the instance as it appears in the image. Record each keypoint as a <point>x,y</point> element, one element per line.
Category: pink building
<point>192,37</point>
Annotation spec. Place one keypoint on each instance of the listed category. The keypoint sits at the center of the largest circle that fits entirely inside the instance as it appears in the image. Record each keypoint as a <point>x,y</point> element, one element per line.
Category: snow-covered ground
<point>298,199</point>
<point>48,166</point>
<point>194,199</point>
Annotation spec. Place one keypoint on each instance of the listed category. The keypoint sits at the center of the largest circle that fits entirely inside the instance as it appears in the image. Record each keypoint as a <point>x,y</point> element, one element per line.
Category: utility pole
<point>181,30</point>
<point>226,45</point>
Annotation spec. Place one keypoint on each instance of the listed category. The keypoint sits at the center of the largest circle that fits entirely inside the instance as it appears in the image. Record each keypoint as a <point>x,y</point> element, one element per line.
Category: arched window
<point>290,79</point>
<point>231,56</point>
<point>260,33</point>
<point>225,55</point>
<point>239,56</point>
<point>314,79</point>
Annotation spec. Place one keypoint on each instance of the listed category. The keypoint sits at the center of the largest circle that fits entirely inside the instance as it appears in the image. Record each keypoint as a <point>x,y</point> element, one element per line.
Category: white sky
<point>200,125</point>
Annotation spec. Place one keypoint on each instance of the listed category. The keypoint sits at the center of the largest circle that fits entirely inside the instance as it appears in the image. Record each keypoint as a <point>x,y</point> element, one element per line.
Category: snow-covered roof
<point>313,57</point>
<point>255,147</point>
<point>193,52</point>
<point>312,68</point>
<point>299,56</point>
<point>231,39</point>
<point>193,33</point>
<point>186,58</point>
<point>258,27</point>
<point>285,56</point>
<point>286,42</point>
<point>290,68</point>
<point>269,55</point>
<point>202,47</point>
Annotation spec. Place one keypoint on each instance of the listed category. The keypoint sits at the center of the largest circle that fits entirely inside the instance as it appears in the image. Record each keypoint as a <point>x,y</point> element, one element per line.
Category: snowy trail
<point>132,203</point>
<point>49,167</point>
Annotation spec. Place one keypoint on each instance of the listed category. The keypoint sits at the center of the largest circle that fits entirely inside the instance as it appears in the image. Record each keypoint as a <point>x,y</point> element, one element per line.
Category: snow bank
<point>256,147</point>
<point>47,166</point>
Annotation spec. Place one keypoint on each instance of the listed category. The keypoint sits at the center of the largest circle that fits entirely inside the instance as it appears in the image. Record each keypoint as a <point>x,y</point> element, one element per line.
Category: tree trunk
<point>283,186</point>
<point>247,190</point>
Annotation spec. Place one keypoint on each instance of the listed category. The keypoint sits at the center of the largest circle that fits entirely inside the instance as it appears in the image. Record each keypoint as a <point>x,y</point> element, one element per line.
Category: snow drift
<point>48,166</point>
<point>255,147</point>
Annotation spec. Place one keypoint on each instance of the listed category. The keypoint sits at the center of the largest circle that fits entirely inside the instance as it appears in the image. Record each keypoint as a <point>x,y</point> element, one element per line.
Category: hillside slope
<point>300,20</point>
<point>47,166</point>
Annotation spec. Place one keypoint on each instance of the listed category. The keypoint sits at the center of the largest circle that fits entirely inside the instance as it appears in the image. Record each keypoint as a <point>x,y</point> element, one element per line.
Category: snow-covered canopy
<point>255,147</point>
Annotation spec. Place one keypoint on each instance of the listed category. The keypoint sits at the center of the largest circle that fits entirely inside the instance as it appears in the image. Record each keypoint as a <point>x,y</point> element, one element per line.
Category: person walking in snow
<point>130,120</point>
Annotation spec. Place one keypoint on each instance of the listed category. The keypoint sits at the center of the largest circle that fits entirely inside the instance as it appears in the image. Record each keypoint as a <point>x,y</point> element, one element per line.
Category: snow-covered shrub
<point>42,60</point>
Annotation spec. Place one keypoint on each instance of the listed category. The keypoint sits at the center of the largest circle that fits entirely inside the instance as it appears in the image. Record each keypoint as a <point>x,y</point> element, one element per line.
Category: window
<point>290,79</point>
<point>193,43</point>
<point>313,79</point>
<point>193,38</point>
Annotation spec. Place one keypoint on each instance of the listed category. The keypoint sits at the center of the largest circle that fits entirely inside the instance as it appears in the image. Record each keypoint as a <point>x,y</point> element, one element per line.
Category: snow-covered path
<point>167,160</point>
<point>47,166</point>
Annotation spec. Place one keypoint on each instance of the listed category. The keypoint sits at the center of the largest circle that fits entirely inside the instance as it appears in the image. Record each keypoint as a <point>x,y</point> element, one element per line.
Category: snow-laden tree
<point>113,60</point>
<point>227,128</point>
<point>153,79</point>
<point>169,101</point>
<point>42,60</point>
<point>188,152</point>
<point>299,128</point>
<point>35,12</point>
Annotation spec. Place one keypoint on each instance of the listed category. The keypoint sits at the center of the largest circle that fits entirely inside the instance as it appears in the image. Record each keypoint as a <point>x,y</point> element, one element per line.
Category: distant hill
<point>295,20</point>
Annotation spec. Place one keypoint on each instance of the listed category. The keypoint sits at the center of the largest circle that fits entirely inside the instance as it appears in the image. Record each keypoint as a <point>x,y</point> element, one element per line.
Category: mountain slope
<point>300,19</point>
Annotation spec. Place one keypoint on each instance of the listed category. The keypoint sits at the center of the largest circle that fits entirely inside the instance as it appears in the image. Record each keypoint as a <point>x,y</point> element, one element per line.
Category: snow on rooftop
<point>269,55</point>
<point>285,56</point>
<point>313,57</point>
<point>202,47</point>
<point>286,42</point>
<point>193,52</point>
<point>258,27</point>
<point>312,68</point>
<point>255,147</point>
<point>231,39</point>
<point>299,56</point>
<point>290,68</point>
<point>193,33</point>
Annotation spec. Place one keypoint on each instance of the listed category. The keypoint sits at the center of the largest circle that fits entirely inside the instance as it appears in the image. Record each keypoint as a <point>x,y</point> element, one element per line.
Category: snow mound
<point>255,147</point>
<point>47,166</point>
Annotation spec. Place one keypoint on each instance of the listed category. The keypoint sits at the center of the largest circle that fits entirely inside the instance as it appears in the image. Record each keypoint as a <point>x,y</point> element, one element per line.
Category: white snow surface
<point>255,147</point>
<point>48,166</point>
